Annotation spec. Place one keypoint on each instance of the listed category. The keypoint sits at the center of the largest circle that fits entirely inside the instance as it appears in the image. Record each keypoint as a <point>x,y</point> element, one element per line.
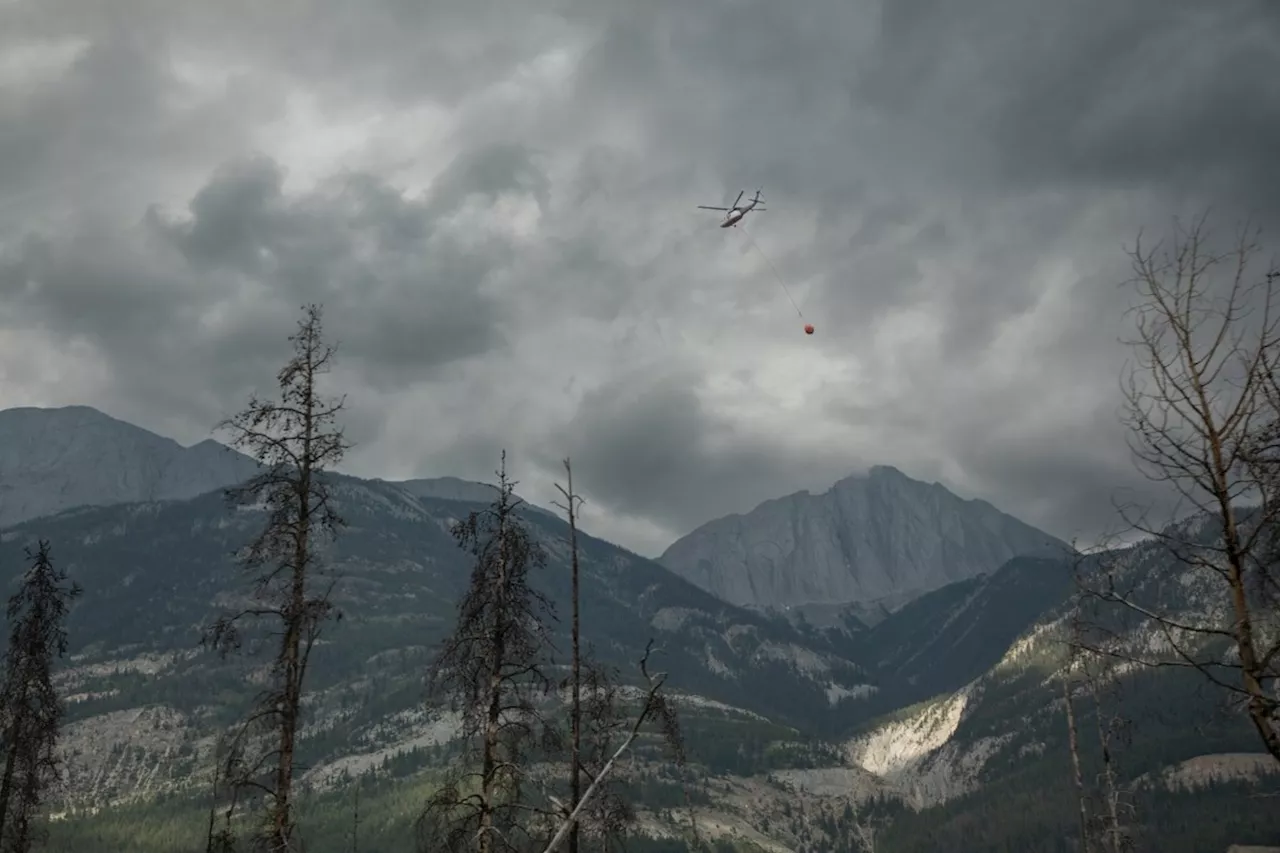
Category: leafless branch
<point>1202,406</point>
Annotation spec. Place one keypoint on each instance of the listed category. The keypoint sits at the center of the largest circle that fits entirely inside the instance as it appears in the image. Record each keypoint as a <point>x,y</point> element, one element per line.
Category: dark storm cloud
<point>948,185</point>
<point>385,52</point>
<point>109,121</point>
<point>1013,124</point>
<point>489,172</point>
<point>403,299</point>
<point>1149,92</point>
<point>646,446</point>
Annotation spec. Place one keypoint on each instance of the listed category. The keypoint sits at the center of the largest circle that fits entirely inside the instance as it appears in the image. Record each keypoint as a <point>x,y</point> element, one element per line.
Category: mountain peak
<point>52,459</point>
<point>878,535</point>
<point>75,414</point>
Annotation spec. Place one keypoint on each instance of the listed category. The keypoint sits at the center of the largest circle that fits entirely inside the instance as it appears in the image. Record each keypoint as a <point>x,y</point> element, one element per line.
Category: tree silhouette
<point>30,708</point>
<point>296,440</point>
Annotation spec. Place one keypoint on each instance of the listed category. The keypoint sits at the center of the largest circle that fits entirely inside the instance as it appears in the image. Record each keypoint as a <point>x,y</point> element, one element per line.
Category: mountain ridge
<point>53,459</point>
<point>117,462</point>
<point>945,706</point>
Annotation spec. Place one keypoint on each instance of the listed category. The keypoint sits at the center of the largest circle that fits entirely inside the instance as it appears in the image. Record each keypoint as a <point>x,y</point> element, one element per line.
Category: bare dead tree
<point>601,723</point>
<point>219,840</point>
<point>296,441</point>
<point>654,707</point>
<point>30,708</point>
<point>570,506</point>
<point>1201,407</point>
<point>601,718</point>
<point>1092,668</point>
<point>572,501</point>
<point>492,671</point>
<point>1097,671</point>
<point>1116,805</point>
<point>355,817</point>
<point>1073,732</point>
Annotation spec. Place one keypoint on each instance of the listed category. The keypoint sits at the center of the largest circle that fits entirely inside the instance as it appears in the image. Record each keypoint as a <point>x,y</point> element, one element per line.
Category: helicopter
<point>734,214</point>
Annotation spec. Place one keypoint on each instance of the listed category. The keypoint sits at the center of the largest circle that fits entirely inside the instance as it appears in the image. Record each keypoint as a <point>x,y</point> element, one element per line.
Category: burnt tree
<point>570,506</point>
<point>598,721</point>
<point>30,708</point>
<point>654,708</point>
<point>492,671</point>
<point>1069,698</point>
<point>296,440</point>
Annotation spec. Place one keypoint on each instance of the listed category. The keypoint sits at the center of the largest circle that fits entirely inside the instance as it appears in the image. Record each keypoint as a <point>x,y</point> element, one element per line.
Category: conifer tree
<point>30,708</point>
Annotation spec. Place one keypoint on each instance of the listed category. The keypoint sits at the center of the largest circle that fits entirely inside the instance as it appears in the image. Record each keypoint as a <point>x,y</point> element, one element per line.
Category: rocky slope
<point>55,459</point>
<point>997,744</point>
<point>879,537</point>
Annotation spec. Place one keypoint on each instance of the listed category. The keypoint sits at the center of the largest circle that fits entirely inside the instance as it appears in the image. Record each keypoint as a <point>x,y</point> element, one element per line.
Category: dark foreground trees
<point>493,672</point>
<point>1203,410</point>
<point>296,440</point>
<point>30,709</point>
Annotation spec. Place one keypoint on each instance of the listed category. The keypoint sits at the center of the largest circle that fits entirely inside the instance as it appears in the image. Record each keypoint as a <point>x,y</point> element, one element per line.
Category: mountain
<point>942,722</point>
<point>55,459</point>
<point>882,537</point>
<point>154,572</point>
<point>789,731</point>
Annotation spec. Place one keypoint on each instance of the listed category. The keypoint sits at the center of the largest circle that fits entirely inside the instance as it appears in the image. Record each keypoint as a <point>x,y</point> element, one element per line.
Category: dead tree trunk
<point>655,707</point>
<point>1115,837</point>
<point>571,504</point>
<point>1073,743</point>
<point>295,441</point>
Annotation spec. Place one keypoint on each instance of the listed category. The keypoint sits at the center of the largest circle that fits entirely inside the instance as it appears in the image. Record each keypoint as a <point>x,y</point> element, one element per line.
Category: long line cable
<point>776,274</point>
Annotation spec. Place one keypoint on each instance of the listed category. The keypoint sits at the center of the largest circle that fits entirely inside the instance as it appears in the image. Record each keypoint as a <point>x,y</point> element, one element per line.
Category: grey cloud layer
<point>981,167</point>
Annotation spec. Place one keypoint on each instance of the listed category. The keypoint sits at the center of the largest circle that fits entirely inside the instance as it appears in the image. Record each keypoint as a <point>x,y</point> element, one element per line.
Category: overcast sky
<point>495,201</point>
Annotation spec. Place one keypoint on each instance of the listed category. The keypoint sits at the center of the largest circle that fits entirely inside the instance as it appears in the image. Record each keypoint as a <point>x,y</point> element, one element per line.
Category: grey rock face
<point>55,459</point>
<point>872,537</point>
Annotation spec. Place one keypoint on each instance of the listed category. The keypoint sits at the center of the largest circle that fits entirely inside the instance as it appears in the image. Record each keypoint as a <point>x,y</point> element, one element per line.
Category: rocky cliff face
<point>55,459</point>
<point>874,537</point>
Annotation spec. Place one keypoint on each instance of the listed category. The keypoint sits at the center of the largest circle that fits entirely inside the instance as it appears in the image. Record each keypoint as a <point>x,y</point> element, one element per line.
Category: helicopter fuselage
<point>733,215</point>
